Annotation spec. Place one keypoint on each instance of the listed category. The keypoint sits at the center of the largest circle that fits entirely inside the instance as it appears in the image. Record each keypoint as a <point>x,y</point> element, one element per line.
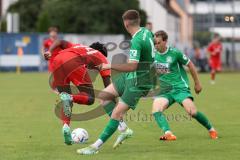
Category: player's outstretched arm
<point>58,43</point>
<point>126,67</point>
<point>194,74</point>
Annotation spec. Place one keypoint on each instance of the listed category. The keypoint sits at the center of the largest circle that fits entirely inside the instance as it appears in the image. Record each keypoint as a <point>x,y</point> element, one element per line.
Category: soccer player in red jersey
<point>215,51</point>
<point>71,65</point>
<point>53,37</point>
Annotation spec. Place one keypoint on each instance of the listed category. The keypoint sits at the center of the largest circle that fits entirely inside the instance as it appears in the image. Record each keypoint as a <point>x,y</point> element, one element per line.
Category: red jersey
<point>47,44</point>
<point>92,57</point>
<point>215,49</point>
<point>215,57</point>
<point>71,64</point>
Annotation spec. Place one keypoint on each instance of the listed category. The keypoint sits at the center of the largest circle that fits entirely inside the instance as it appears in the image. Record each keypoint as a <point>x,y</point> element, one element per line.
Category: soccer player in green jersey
<point>174,82</point>
<point>130,86</point>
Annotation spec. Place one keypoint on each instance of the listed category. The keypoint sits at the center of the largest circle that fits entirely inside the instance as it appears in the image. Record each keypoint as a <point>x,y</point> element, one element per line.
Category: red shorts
<point>215,64</point>
<point>69,67</point>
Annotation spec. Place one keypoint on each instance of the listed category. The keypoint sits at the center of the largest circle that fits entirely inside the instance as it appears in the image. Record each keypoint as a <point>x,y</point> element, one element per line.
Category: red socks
<point>81,98</point>
<point>65,119</point>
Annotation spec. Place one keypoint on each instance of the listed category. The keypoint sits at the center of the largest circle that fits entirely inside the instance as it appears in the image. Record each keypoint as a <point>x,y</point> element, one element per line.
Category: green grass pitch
<point>30,130</point>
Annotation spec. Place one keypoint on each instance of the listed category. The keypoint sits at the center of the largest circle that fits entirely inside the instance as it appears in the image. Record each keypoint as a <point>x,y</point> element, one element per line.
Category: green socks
<point>161,121</point>
<point>163,124</point>
<point>202,119</point>
<point>109,129</point>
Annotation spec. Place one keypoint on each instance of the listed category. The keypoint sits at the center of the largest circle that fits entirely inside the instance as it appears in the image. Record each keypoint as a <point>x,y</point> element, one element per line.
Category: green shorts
<point>128,92</point>
<point>176,95</point>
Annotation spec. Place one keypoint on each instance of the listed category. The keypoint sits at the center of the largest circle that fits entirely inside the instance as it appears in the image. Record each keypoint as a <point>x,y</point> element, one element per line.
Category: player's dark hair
<point>100,47</point>
<point>53,28</point>
<point>216,35</point>
<point>133,17</point>
<point>162,34</point>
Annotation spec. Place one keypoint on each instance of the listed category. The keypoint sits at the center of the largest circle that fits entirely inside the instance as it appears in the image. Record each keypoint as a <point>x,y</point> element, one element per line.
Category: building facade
<point>221,16</point>
<point>172,17</point>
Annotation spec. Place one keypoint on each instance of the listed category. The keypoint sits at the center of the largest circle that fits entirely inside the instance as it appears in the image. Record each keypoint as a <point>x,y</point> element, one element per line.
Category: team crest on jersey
<point>185,57</point>
<point>169,59</point>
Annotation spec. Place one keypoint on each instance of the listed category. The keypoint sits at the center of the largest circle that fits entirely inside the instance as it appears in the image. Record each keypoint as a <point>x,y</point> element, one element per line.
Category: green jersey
<point>170,67</point>
<point>142,50</point>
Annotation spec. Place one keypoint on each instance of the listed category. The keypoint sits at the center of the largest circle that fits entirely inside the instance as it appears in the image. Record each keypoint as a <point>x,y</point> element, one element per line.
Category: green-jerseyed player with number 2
<point>130,86</point>
<point>173,79</point>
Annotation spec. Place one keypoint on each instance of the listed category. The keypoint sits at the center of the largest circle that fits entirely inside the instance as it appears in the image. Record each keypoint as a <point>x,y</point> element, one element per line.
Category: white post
<point>12,23</point>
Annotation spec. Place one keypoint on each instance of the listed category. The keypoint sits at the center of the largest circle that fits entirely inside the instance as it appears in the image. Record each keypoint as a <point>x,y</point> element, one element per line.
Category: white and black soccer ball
<point>79,135</point>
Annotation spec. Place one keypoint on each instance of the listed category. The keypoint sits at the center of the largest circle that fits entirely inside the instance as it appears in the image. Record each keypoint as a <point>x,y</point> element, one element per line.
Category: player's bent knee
<point>116,115</point>
<point>159,105</point>
<point>189,106</point>
<point>119,111</point>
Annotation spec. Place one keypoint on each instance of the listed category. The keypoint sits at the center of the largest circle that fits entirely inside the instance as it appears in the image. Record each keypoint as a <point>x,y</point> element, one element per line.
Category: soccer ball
<point>79,135</point>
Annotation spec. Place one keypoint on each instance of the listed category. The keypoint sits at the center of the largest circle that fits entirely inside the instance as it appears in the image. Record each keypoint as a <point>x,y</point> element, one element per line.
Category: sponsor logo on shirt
<point>162,68</point>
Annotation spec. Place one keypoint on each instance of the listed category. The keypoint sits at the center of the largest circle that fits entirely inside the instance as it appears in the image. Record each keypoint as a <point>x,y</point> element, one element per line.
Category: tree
<point>3,26</point>
<point>28,11</point>
<point>43,22</point>
<point>79,16</point>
